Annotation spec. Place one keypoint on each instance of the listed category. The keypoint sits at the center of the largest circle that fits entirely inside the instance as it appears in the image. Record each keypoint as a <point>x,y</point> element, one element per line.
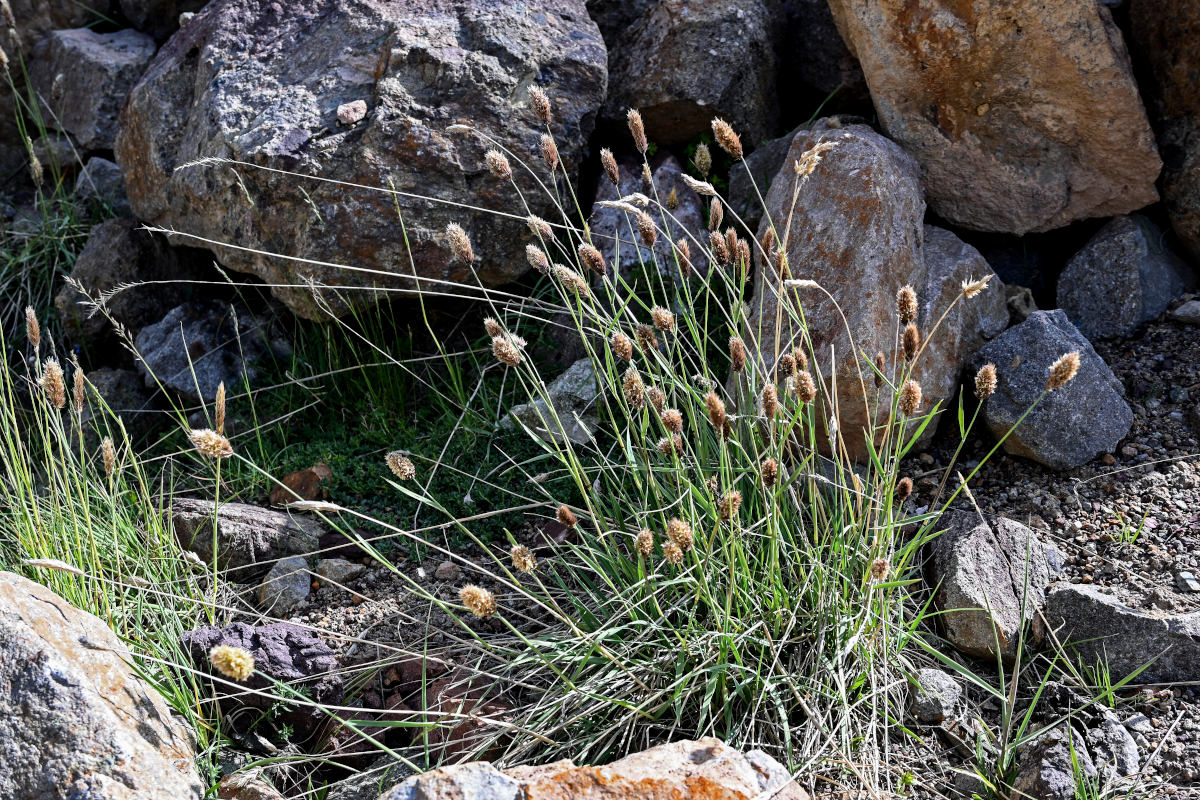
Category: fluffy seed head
<point>647,178</point>
<point>592,258</point>
<point>610,166</point>
<point>769,472</point>
<point>460,245</point>
<point>716,410</point>
<point>781,262</point>
<point>737,353</point>
<point>52,383</point>
<point>880,366</point>
<point>209,443</point>
<point>731,242</point>
<point>673,199</point>
<point>497,164</point>
<point>540,104</point>
<point>232,662</point>
<point>33,331</point>
<point>808,162</point>
<point>479,601</point>
<point>880,569</point>
<point>729,505</point>
<point>685,256</point>
<point>703,160</point>
<point>637,129</point>
<point>912,341</point>
<point>108,455</point>
<point>725,136</point>
<point>566,516</point>
<point>633,388</point>
<point>492,327</point>
<point>800,356</point>
<point>36,173</point>
<point>572,280</point>
<point>786,366</point>
<point>549,151</point>
<point>540,227</point>
<point>507,349</point>
<point>669,445</point>
<point>522,559</point>
<point>664,320</point>
<point>672,420</point>
<point>806,387</point>
<point>681,534</point>
<point>768,245</point>
<point>715,214</point>
<point>770,401</point>
<point>1062,371</point>
<point>743,252</point>
<point>645,543</point>
<point>400,465</point>
<point>621,346</point>
<point>904,489</point>
<point>657,398</point>
<point>720,250</point>
<point>910,398</point>
<point>647,340</point>
<point>537,259</point>
<point>672,553</point>
<point>219,412</point>
<point>77,391</point>
<point>646,229</point>
<point>906,304</point>
<point>974,287</point>
<point>985,381</point>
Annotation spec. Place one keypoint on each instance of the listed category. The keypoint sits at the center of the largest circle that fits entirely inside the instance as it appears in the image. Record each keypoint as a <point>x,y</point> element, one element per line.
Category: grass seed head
<point>672,553</point>
<point>767,245</point>
<point>493,327</point>
<point>633,388</point>
<point>910,398</point>
<point>108,456</point>
<point>681,534</point>
<point>743,252</point>
<point>912,341</point>
<point>460,245</point>
<point>716,410</point>
<point>719,249</point>
<point>644,544</point>
<point>592,258</point>
<point>537,259</point>
<point>522,559</point>
<point>769,472</point>
<point>479,601</point>
<point>906,304</point>
<point>566,517</point>
<point>786,366</point>
<point>731,242</point>
<point>210,444</point>
<point>672,420</point>
<point>770,401</point>
<point>507,349</point>
<point>685,256</point>
<point>647,340</point>
<point>33,331</point>
<point>737,353</point>
<point>232,662</point>
<point>621,346</point>
<point>610,166</point>
<point>1062,371</point>
<point>806,387</point>
<point>549,151</point>
<point>540,227</point>
<point>646,229</point>
<point>800,356</point>
<point>880,568</point>
<point>657,398</point>
<point>647,179</point>
<point>880,367</point>
<point>985,381</point>
<point>730,504</point>
<point>540,104</point>
<point>219,408</point>
<point>497,164</point>
<point>725,136</point>
<point>904,489</point>
<point>53,384</point>
<point>663,319</point>
<point>715,214</point>
<point>400,465</point>
<point>970,288</point>
<point>637,129</point>
<point>807,163</point>
<point>673,199</point>
<point>670,445</point>
<point>703,160</point>
<point>781,263</point>
<point>77,391</point>
<point>572,280</point>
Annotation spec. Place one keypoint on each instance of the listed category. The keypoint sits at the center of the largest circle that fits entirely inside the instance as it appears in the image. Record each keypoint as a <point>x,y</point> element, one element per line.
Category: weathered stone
<point>159,18</point>
<point>100,182</point>
<point>1020,302</point>
<point>1024,115</point>
<point>201,344</point>
<point>369,783</point>
<point>1188,313</point>
<point>1166,32</point>
<point>1068,426</point>
<point>705,769</point>
<point>935,696</point>
<point>76,720</point>
<point>246,786</point>
<point>282,652</point>
<point>1123,277</point>
<point>684,62</point>
<point>249,538</point>
<point>990,580</point>
<point>1046,768</point>
<point>426,65</point>
<point>816,54</point>
<point>1100,628</point>
<point>614,17</point>
<point>1113,749</point>
<point>611,227</point>
<point>302,484</point>
<point>476,700</point>
<point>856,229</point>
<point>572,396</point>
<point>285,586</point>
<point>750,180</point>
<point>339,570</point>
<point>85,76</point>
<point>117,394</point>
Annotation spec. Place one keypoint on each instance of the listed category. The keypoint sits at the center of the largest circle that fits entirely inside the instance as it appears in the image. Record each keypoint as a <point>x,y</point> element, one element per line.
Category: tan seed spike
<point>737,353</point>
<point>725,136</point>
<point>985,381</point>
<point>906,304</point>
<point>610,166</point>
<point>622,347</point>
<point>912,341</point>
<point>715,214</point>
<point>703,160</point>
<point>53,383</point>
<point>498,164</point>
<point>479,601</point>
<point>566,516</point>
<point>645,543</point>
<point>540,104</point>
<point>637,129</point>
<point>33,331</point>
<point>1063,371</point>
<point>646,229</point>
<point>910,398</point>
<point>549,151</point>
<point>592,258</point>
<point>460,245</point>
<point>210,444</point>
<point>219,414</point>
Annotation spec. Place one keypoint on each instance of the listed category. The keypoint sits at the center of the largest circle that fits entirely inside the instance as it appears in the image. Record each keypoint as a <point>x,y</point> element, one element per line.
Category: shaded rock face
<point>248,537</point>
<point>282,651</point>
<point>856,228</point>
<point>1070,425</point>
<point>705,769</point>
<point>100,181</point>
<point>75,719</point>
<point>683,62</point>
<point>572,401</point>
<point>755,175</point>
<point>1099,627</point>
<point>159,18</point>
<point>1123,277</point>
<point>1046,769</point>
<point>260,82</point>
<point>816,53</point>
<point>97,71</point>
<point>122,393</point>
<point>991,579</point>
<point>1023,115</point>
<point>285,586</point>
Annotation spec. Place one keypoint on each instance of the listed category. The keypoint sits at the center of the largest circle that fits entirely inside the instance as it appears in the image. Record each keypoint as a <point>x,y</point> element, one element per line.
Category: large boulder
<point>85,76</point>
<point>261,82</point>
<point>683,62</point>
<point>1166,32</point>
<point>1124,276</point>
<point>856,228</point>
<point>569,409</point>
<point>248,538</point>
<point>159,18</point>
<point>76,719</point>
<point>1068,426</point>
<point>1024,115</point>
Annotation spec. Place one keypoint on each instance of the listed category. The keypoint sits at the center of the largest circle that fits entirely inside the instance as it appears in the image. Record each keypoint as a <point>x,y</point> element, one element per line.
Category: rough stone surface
<point>302,484</point>
<point>159,18</point>
<point>453,737</point>
<point>201,344</point>
<point>425,66</point>
<point>572,396</point>
<point>1124,276</point>
<point>1024,115</point>
<point>1070,425</point>
<point>121,393</point>
<point>98,70</point>
<point>816,53</point>
<point>935,696</point>
<point>1166,33</point>
<point>339,570</point>
<point>247,536</point>
<point>369,783</point>
<point>614,17</point>
<point>857,230</point>
<point>119,253</point>
<point>759,170</point>
<point>1046,770</point>
<point>76,721</point>
<point>611,227</point>
<point>1113,749</point>
<point>990,580</point>
<point>1099,626</point>
<point>684,62</point>
<point>705,769</point>
<point>100,182</point>
<point>285,586</point>
<point>283,652</point>
<point>1188,313</point>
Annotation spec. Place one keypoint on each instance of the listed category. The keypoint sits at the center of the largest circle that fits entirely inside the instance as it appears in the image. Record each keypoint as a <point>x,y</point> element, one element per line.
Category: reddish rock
<point>303,484</point>
<point>461,707</point>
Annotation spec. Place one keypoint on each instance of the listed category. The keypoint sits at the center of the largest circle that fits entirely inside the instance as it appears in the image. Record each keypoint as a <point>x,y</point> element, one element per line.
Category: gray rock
<point>1100,628</point>
<point>990,580</point>
<point>159,18</point>
<point>684,62</point>
<point>425,66</point>
<point>935,696</point>
<point>97,71</point>
<point>285,587</point>
<point>816,53</point>
<point>611,228</point>
<point>1113,749</point>
<point>339,570</point>
<point>199,345</point>
<point>56,152</point>
<point>614,17</point>
<point>76,720</point>
<point>1000,102</point>
<point>248,537</point>
<point>1070,425</point>
<point>1046,767</point>
<point>370,783</point>
<point>100,182</point>
<point>572,396</point>
<point>1188,313</point>
<point>1020,302</point>
<point>1123,276</point>
<point>117,394</point>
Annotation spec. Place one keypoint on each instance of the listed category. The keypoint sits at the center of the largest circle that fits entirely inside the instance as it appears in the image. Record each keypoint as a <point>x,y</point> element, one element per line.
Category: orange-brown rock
<point>303,484</point>
<point>1023,114</point>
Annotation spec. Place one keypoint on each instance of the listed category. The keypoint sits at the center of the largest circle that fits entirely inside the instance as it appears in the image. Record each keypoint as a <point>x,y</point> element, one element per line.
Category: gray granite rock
<point>1046,768</point>
<point>285,586</point>
<point>339,570</point>
<point>573,397</point>
<point>248,538</point>
<point>936,696</point>
<point>100,182</point>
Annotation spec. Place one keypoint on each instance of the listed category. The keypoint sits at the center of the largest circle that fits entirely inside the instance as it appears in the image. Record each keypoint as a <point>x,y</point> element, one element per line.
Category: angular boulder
<point>286,586</point>
<point>990,580</point>
<point>1124,276</point>
<point>570,412</point>
<point>100,182</point>
<point>1024,115</point>
<point>1070,425</point>
<point>118,393</point>
<point>421,67</point>
<point>76,720</point>
<point>1049,767</point>
<point>248,538</point>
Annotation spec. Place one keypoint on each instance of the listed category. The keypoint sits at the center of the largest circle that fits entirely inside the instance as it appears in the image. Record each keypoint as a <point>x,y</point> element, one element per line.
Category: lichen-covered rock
<point>1070,425</point>
<point>1124,276</point>
<point>683,62</point>
<point>936,696</point>
<point>76,720</point>
<point>261,82</point>
<point>1023,115</point>
<point>248,538</point>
